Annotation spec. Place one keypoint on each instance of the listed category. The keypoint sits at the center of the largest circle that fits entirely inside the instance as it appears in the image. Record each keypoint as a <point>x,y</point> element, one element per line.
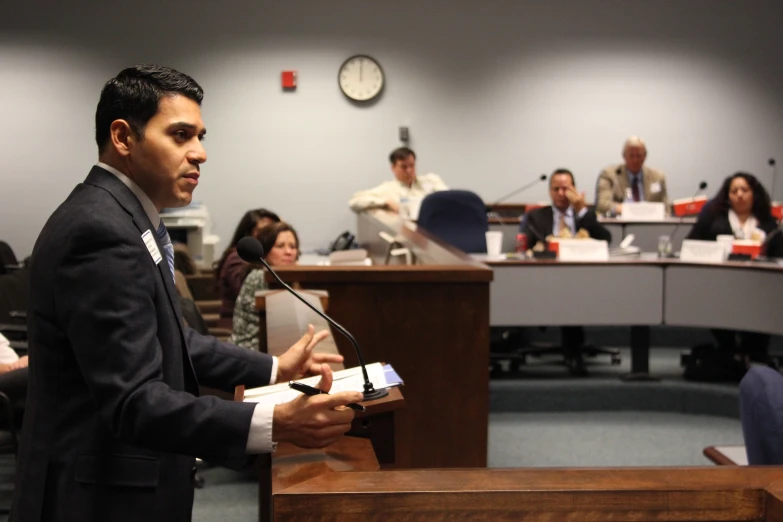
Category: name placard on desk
<point>643,211</point>
<point>582,250</point>
<point>694,250</point>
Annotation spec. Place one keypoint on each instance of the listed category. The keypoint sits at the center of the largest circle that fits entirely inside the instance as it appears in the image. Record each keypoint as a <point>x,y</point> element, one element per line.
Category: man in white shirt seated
<point>406,184</point>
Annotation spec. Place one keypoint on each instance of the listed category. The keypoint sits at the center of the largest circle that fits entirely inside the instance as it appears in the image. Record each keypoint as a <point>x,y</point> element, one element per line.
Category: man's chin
<point>183,200</point>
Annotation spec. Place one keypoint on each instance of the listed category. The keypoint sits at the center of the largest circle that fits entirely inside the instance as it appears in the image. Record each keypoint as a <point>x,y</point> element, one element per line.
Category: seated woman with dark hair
<point>742,209</point>
<point>281,247</point>
<point>230,271</point>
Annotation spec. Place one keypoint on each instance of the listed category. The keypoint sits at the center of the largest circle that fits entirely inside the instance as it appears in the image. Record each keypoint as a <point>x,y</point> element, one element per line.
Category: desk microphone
<point>702,186</point>
<point>765,243</point>
<point>523,188</point>
<point>772,163</point>
<point>250,250</point>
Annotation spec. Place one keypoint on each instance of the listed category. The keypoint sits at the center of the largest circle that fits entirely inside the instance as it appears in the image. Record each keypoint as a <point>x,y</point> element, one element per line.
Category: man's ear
<point>122,137</point>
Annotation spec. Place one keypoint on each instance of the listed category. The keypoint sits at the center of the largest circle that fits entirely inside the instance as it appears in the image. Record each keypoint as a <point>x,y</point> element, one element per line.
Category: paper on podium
<point>350,379</point>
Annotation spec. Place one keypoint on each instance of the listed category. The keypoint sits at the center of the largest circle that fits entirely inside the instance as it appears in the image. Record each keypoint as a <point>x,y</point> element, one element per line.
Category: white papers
<point>736,454</point>
<point>582,250</point>
<point>643,211</point>
<point>350,379</point>
<point>702,251</point>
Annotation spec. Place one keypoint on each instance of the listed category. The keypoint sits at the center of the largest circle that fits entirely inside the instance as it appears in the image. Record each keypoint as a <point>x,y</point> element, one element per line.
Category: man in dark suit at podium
<point>114,418</point>
<point>568,216</point>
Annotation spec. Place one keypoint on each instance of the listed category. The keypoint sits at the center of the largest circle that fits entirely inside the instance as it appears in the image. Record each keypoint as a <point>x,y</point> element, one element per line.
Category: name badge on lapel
<point>655,187</point>
<point>152,247</point>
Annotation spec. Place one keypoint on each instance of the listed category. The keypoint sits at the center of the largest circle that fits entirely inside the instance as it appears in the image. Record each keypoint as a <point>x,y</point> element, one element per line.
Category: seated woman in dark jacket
<point>742,209</point>
<point>231,271</point>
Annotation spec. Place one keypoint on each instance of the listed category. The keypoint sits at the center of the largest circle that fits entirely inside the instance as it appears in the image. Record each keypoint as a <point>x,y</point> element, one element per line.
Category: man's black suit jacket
<point>539,223</point>
<point>113,418</point>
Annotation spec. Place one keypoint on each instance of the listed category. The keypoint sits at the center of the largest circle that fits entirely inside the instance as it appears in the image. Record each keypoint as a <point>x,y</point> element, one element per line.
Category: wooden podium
<point>370,443</point>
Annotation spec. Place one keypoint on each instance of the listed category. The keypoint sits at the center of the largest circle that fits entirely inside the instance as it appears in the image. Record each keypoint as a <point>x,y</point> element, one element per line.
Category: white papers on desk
<point>350,379</point>
<point>582,250</point>
<point>643,211</point>
<point>698,251</point>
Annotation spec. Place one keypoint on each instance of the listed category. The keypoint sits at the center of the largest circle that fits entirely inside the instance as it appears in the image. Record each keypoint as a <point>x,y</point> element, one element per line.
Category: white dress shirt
<point>569,219</point>
<point>394,190</point>
<point>259,439</point>
<point>7,354</point>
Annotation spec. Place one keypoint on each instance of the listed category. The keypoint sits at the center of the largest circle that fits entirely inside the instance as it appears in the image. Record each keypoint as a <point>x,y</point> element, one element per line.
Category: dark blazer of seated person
<point>742,203</point>
<point>568,209</point>
<point>568,203</point>
<point>741,200</point>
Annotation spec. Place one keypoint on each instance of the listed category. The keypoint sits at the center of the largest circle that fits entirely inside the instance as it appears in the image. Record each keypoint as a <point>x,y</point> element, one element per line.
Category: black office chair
<point>518,346</point>
<point>458,217</point>
<point>13,392</point>
<point>14,290</point>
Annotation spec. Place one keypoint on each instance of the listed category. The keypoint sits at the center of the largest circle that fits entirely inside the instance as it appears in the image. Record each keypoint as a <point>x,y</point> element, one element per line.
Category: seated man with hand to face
<point>405,184</point>
<point>631,181</point>
<point>568,216</point>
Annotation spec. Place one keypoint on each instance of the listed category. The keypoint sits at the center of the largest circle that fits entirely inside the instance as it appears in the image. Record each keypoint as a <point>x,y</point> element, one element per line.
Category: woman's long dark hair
<point>762,208</point>
<point>244,228</point>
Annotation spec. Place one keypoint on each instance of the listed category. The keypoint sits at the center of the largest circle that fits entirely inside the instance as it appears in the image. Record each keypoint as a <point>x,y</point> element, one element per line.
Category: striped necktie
<point>168,248</point>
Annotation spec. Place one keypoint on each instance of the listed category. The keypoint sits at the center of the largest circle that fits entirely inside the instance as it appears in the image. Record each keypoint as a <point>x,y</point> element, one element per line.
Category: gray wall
<point>494,92</point>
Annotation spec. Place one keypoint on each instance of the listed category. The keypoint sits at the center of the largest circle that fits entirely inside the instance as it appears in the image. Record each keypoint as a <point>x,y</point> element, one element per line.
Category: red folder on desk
<point>688,206</point>
<point>777,210</point>
<point>747,246</point>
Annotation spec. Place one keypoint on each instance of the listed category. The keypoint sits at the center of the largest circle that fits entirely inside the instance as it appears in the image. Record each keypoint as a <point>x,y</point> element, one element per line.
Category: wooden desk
<point>638,292</point>
<point>431,321</point>
<point>583,495</point>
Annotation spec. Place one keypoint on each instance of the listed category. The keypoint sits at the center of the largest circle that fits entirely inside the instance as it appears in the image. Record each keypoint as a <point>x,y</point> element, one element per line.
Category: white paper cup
<point>494,243</point>
<point>727,240</point>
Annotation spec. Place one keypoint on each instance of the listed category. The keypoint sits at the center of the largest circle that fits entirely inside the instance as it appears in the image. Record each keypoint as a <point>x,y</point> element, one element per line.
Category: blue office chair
<point>458,217</point>
<point>761,411</point>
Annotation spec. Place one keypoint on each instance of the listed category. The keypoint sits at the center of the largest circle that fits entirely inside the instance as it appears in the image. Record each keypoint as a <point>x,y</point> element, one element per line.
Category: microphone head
<point>542,177</point>
<point>771,162</point>
<point>619,170</point>
<point>250,250</point>
<point>702,185</point>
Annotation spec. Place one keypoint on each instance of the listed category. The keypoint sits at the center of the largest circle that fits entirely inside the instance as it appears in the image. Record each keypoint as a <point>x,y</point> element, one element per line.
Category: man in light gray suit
<point>631,181</point>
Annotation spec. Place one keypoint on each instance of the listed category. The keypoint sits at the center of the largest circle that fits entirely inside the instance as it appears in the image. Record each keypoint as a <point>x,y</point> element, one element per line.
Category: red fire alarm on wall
<point>288,79</point>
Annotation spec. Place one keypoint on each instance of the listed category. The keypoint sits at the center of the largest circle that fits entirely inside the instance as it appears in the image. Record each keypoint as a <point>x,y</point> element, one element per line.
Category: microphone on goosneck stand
<point>250,250</point>
<point>523,188</point>
<point>776,207</point>
<point>669,253</point>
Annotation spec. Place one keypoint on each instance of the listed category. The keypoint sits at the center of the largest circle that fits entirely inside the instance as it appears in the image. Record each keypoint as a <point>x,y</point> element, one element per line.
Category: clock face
<point>361,78</point>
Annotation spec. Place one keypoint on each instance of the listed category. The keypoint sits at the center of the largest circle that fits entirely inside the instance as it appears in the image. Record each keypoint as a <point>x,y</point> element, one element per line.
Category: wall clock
<point>361,78</point>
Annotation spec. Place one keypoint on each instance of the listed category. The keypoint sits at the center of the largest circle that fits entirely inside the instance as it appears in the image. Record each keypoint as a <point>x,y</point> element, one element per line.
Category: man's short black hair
<point>562,171</point>
<point>134,94</point>
<point>401,154</point>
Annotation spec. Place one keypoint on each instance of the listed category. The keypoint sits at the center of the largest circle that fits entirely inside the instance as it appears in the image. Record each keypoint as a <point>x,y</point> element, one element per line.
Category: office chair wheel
<point>515,364</point>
